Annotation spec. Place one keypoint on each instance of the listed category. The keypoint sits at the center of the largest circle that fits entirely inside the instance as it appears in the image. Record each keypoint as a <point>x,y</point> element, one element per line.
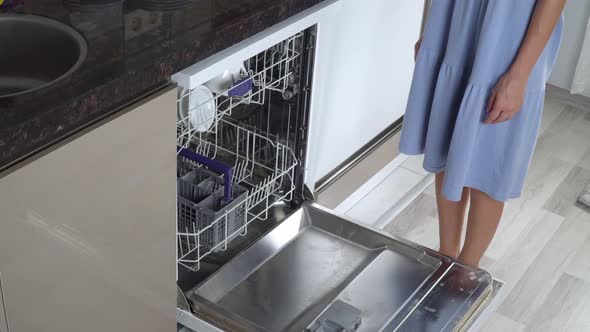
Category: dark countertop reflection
<point>133,49</point>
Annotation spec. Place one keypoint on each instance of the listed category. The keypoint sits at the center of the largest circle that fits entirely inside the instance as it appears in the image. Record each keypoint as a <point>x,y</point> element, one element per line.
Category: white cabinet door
<point>363,71</point>
<point>87,231</point>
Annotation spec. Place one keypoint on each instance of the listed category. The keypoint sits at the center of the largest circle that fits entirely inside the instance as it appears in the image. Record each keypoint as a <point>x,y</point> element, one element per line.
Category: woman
<point>475,107</point>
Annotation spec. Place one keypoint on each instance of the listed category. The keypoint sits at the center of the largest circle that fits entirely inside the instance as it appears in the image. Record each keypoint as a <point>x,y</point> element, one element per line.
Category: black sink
<point>36,52</point>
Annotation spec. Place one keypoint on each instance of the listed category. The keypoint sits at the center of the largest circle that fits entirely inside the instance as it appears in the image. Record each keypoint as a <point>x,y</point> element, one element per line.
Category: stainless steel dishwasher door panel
<point>384,288</point>
<point>458,297</point>
<point>289,277</point>
<point>292,288</point>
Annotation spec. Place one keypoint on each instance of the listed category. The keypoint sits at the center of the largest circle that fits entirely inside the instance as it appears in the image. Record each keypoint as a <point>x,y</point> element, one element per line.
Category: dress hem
<point>493,194</point>
<point>478,186</point>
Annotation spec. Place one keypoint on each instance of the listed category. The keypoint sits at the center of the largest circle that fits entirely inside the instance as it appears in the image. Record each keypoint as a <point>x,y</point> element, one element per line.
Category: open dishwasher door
<point>317,271</point>
<point>253,253</point>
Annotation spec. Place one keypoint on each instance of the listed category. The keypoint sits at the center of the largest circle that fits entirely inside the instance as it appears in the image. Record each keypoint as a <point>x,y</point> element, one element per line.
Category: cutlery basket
<point>203,209</point>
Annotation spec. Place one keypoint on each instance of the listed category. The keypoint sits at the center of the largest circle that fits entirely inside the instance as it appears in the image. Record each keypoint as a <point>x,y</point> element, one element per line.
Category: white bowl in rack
<point>197,109</point>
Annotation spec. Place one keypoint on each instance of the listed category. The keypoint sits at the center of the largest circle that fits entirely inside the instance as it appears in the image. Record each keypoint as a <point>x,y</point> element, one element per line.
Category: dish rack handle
<point>226,170</point>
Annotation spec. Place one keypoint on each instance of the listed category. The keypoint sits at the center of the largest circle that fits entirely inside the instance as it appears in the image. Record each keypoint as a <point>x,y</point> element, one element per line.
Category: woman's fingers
<point>491,107</point>
<point>506,99</point>
<point>503,117</point>
<point>491,102</point>
<point>493,115</point>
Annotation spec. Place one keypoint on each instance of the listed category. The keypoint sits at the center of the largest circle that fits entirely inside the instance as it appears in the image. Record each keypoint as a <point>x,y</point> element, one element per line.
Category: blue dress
<point>467,46</point>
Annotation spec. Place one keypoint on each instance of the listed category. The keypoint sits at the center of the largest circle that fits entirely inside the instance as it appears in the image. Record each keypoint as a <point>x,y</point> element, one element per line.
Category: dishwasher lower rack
<point>263,173</point>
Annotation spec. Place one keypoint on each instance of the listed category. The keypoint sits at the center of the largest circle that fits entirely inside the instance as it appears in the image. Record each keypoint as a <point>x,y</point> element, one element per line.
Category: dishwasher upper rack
<point>271,70</point>
<point>269,176</point>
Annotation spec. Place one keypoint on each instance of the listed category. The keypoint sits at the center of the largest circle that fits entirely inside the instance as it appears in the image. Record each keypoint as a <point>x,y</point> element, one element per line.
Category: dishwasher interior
<point>241,140</point>
<point>255,253</point>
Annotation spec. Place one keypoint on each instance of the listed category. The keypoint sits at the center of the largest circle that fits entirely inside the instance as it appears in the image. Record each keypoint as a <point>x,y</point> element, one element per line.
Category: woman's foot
<point>451,252</point>
<point>469,261</point>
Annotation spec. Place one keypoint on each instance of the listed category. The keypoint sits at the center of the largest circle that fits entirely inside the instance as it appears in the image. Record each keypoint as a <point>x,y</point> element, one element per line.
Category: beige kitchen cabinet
<point>87,231</point>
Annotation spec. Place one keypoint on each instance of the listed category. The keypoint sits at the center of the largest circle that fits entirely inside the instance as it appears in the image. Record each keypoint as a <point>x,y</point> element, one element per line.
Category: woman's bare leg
<point>484,217</point>
<point>450,219</point>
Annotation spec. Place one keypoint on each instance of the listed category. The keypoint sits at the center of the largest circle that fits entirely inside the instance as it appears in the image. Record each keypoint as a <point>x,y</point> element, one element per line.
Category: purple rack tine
<point>226,170</point>
<point>241,87</point>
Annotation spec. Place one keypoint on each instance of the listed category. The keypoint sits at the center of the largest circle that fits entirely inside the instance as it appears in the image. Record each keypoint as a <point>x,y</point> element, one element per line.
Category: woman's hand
<point>417,48</point>
<point>508,95</point>
<point>507,98</point>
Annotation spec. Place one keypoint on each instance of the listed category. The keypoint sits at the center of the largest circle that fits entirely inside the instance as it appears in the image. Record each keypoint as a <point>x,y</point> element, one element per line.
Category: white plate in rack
<point>197,109</point>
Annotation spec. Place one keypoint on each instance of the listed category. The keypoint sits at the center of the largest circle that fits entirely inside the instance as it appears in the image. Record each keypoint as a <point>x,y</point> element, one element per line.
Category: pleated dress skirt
<point>467,46</point>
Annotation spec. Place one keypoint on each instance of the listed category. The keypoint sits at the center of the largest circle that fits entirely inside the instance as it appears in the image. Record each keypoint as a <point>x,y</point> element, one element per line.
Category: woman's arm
<point>508,95</point>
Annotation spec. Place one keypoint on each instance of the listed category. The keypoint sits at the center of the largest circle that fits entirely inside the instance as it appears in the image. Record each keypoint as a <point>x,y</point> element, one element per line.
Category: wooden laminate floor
<point>542,248</point>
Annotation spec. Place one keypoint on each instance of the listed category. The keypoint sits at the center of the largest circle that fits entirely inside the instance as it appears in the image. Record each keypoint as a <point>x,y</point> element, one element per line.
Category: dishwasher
<point>254,252</point>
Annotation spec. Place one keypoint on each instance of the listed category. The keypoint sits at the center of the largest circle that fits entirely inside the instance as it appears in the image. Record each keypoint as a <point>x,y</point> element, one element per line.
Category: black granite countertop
<point>131,52</point>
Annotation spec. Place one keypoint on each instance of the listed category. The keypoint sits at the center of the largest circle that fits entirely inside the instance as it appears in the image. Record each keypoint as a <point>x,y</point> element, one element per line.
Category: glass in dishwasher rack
<point>243,133</point>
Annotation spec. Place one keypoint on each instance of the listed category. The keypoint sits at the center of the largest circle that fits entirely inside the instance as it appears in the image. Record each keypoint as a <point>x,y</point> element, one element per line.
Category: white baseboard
<point>373,182</point>
<point>403,203</point>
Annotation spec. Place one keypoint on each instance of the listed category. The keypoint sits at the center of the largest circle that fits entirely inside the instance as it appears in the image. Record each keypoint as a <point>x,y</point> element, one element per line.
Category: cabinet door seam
<point>5,312</point>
